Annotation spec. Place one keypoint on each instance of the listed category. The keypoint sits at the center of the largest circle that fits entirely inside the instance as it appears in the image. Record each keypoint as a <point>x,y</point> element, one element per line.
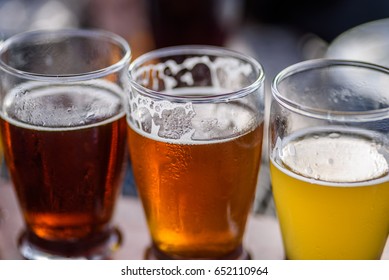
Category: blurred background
<point>277,33</point>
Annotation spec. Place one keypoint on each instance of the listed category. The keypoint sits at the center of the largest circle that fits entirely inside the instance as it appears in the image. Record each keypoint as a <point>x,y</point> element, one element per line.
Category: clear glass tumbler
<point>195,123</point>
<point>64,133</point>
<point>329,151</point>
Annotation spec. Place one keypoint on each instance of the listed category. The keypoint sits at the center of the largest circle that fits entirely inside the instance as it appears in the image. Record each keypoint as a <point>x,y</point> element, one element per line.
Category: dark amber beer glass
<point>195,126</point>
<point>64,133</point>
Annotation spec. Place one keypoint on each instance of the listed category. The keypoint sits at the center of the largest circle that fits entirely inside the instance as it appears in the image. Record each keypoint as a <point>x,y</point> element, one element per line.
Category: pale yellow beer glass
<point>195,128</point>
<point>329,154</point>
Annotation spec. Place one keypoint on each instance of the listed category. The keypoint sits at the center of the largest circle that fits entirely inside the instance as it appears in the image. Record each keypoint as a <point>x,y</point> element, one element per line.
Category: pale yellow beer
<point>332,192</point>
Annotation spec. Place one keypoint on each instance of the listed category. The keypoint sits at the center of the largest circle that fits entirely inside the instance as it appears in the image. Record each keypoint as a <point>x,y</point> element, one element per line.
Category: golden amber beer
<point>329,159</point>
<point>64,134</point>
<point>197,196</point>
<point>196,152</point>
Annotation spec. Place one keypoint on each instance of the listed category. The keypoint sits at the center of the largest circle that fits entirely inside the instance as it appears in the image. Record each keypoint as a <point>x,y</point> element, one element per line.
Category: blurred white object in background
<point>23,15</point>
<point>368,42</point>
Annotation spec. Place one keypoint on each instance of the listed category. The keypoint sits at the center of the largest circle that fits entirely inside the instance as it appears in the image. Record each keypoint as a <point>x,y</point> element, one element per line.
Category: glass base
<point>153,253</point>
<point>98,248</point>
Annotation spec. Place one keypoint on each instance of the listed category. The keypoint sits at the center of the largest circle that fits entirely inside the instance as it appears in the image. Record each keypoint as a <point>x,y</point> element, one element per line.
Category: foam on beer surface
<point>191,122</point>
<point>335,158</point>
<point>50,107</point>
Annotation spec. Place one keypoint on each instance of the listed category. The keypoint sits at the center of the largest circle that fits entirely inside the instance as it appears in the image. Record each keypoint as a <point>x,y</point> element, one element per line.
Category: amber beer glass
<point>195,123</point>
<point>64,137</point>
<point>329,159</point>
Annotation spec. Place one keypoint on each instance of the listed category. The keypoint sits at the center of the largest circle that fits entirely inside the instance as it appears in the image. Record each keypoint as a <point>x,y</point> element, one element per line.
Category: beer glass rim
<point>197,50</point>
<point>97,34</point>
<point>319,113</point>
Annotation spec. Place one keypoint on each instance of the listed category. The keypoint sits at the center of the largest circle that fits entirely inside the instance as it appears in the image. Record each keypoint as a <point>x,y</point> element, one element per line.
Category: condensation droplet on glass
<point>334,135</point>
<point>309,170</point>
<point>331,161</point>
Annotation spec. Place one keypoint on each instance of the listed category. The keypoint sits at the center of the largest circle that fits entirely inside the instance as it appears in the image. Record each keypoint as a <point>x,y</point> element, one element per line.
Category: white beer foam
<point>335,158</point>
<point>189,122</point>
<point>43,107</point>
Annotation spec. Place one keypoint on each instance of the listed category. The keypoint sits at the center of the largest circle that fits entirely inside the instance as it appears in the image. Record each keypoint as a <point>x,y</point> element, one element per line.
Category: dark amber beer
<point>67,174</point>
<point>64,134</point>
<point>195,129</point>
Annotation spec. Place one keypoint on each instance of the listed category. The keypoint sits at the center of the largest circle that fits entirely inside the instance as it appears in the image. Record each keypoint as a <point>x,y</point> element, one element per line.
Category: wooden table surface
<point>262,238</point>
